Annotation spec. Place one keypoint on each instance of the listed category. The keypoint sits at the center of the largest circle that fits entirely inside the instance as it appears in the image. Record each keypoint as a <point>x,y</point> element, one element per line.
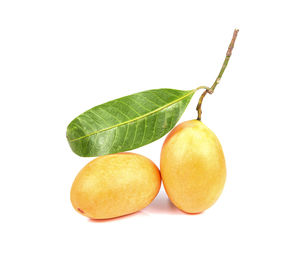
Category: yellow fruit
<point>115,185</point>
<point>192,167</point>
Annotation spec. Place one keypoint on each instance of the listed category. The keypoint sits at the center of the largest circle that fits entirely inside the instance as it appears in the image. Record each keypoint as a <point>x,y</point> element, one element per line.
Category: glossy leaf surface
<point>128,122</point>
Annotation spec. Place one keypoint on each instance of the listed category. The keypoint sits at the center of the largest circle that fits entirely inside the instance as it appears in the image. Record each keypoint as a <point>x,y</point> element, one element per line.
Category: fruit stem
<point>217,81</point>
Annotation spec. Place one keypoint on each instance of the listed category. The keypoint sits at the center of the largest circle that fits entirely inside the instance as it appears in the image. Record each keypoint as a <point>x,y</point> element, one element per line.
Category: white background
<point>59,58</point>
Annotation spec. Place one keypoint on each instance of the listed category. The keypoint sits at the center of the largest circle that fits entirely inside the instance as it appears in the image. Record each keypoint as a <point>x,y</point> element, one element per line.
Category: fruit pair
<point>192,170</point>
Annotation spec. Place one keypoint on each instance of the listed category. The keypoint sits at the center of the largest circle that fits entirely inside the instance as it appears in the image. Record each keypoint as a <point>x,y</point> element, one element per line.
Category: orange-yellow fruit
<point>115,185</point>
<point>192,167</point>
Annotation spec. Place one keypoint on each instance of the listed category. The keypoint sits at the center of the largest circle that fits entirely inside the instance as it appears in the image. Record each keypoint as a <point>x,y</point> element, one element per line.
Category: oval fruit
<point>115,185</point>
<point>192,167</point>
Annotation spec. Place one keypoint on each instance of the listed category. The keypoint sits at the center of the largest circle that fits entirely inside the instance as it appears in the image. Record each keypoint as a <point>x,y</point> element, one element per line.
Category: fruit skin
<point>192,167</point>
<point>115,185</point>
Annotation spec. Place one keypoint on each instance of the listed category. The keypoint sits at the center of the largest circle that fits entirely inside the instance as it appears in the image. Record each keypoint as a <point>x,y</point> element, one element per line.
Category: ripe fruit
<point>115,185</point>
<point>192,167</point>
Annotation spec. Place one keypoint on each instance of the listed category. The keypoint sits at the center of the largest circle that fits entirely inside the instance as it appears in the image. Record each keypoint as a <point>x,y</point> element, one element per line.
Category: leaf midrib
<point>133,120</point>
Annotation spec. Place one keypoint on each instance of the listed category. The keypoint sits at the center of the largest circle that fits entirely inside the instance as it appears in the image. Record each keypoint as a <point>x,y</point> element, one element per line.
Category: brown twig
<point>225,63</point>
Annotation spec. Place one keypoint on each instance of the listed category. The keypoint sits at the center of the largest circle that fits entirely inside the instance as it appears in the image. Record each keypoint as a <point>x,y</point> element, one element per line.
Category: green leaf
<point>128,122</point>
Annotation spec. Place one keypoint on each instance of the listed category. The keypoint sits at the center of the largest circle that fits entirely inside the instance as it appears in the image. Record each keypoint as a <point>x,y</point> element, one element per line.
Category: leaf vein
<point>137,118</point>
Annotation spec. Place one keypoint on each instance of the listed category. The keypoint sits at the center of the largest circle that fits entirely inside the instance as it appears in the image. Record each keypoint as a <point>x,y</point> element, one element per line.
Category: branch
<point>217,81</point>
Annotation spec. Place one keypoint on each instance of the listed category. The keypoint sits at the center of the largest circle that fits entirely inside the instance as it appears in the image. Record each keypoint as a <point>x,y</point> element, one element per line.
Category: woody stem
<point>217,81</point>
